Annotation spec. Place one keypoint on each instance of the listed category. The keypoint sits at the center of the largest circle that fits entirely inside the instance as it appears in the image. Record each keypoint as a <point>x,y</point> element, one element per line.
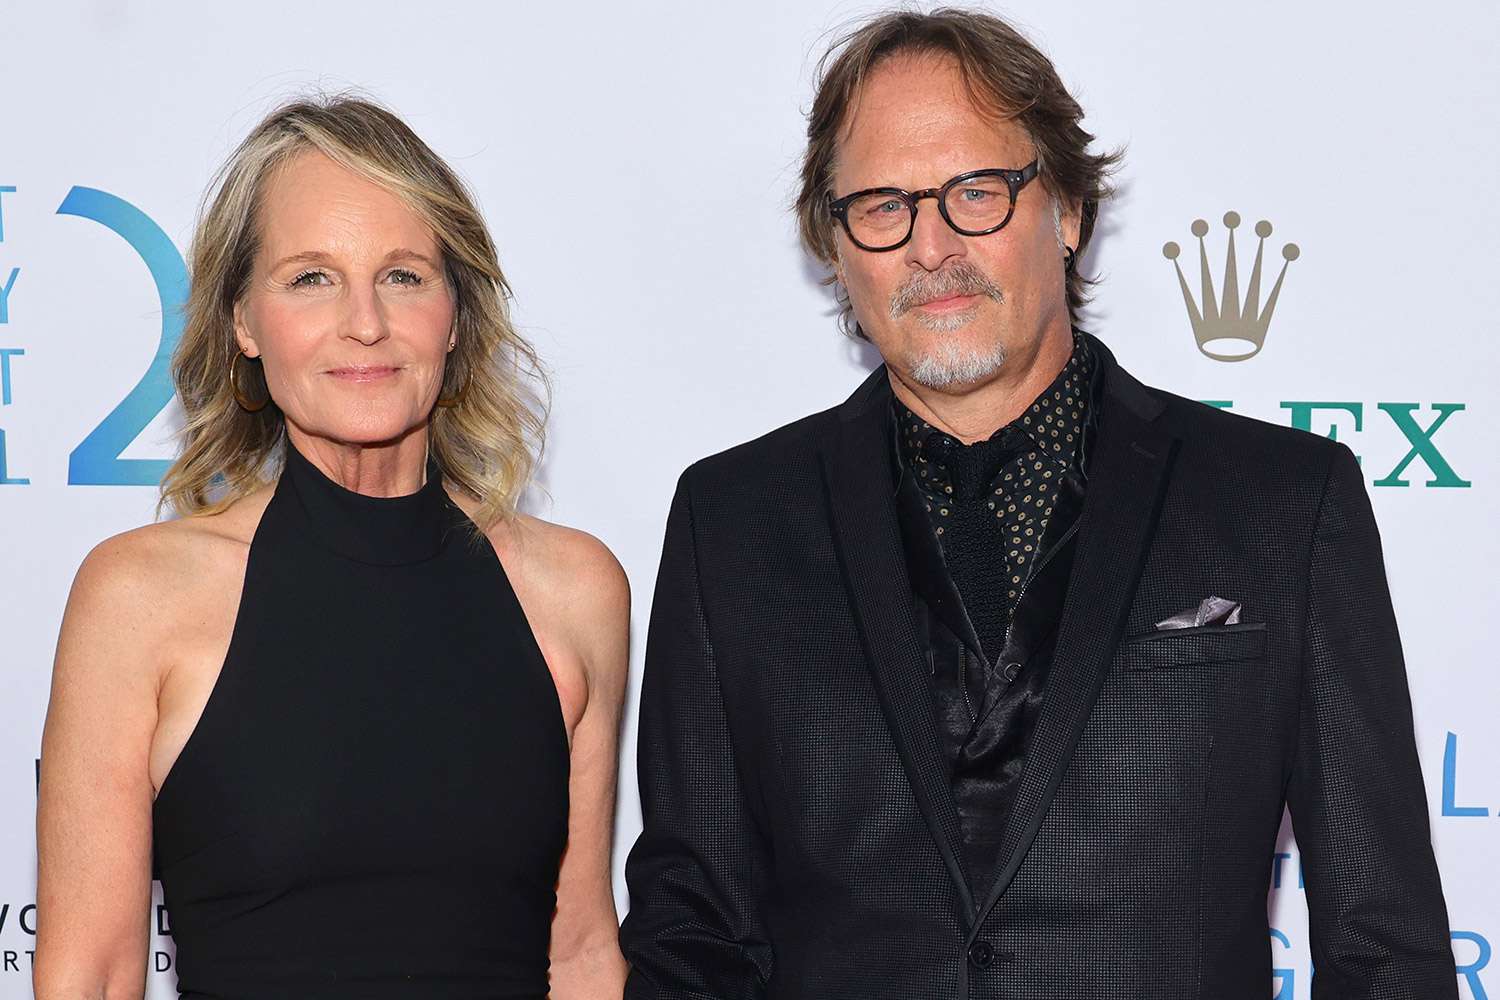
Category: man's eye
<point>308,279</point>
<point>890,206</point>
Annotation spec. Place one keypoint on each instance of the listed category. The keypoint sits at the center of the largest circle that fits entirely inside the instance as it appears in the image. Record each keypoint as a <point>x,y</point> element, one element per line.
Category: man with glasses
<point>994,680</point>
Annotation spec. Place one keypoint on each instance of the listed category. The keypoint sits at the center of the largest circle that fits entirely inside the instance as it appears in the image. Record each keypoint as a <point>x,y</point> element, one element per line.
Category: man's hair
<point>1004,74</point>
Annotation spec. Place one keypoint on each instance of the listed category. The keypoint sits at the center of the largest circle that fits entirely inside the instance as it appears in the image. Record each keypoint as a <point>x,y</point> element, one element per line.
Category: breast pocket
<point>1185,647</point>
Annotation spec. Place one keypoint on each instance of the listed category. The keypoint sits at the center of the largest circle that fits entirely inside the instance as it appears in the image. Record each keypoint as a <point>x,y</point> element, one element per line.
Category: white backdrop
<point>688,319</point>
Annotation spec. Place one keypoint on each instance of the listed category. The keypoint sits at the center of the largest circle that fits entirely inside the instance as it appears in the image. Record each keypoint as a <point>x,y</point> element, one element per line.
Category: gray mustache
<point>961,278</point>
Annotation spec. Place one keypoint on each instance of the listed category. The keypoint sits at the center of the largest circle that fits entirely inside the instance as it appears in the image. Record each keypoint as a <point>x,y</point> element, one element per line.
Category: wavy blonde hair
<point>487,443</point>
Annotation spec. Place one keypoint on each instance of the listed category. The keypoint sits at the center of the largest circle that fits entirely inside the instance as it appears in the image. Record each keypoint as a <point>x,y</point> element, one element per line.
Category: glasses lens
<point>878,220</point>
<point>978,204</point>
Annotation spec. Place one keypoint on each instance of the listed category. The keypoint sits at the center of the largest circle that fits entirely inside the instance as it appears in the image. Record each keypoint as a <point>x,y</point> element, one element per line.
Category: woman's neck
<point>387,469</point>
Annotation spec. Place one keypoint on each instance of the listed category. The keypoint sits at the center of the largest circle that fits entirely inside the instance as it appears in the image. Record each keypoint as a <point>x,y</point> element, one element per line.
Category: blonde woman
<point>351,706</point>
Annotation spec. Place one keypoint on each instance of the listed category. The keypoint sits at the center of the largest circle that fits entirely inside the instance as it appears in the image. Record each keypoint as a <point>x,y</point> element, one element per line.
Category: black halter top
<point>374,801</point>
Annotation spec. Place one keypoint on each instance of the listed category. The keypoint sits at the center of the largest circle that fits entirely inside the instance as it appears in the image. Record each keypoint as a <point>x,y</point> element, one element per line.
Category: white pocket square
<point>1210,611</point>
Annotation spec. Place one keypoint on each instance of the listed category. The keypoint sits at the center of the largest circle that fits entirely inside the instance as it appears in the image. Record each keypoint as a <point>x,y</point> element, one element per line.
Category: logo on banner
<point>1227,327</point>
<point>1229,324</point>
<point>7,286</point>
<point>97,459</point>
<point>1455,804</point>
<point>1472,953</point>
<point>17,936</point>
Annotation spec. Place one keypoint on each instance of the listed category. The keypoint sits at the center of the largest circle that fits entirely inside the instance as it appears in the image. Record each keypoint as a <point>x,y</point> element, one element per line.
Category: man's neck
<point>974,412</point>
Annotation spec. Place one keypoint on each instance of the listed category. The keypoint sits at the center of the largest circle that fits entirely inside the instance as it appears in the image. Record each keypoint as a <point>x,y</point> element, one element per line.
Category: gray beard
<point>948,364</point>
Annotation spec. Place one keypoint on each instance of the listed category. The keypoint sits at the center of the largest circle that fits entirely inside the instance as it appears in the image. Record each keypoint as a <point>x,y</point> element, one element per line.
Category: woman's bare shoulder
<point>152,569</point>
<point>572,588</point>
<point>573,567</point>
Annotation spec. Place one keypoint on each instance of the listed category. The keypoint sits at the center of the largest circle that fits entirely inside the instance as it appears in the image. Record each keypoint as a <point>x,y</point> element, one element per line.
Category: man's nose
<point>933,241</point>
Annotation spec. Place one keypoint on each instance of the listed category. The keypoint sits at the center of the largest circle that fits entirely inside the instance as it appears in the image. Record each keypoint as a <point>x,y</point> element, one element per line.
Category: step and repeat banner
<point>1307,187</point>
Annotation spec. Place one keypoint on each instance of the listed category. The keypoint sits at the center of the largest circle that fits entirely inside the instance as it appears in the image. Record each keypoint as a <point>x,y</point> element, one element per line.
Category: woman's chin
<point>366,433</point>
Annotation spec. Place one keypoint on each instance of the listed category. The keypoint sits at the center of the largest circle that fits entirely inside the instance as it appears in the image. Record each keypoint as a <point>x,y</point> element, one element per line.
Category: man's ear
<point>242,337</point>
<point>836,262</point>
<point>1070,221</point>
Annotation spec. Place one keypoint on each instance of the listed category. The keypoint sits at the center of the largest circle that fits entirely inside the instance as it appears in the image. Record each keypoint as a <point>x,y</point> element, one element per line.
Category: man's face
<point>947,311</point>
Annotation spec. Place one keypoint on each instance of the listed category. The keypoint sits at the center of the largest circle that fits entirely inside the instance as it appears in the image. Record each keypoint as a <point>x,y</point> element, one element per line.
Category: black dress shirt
<point>987,529</point>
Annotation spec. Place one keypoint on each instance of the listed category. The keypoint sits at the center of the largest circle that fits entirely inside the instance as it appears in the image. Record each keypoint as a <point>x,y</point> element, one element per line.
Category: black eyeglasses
<point>977,203</point>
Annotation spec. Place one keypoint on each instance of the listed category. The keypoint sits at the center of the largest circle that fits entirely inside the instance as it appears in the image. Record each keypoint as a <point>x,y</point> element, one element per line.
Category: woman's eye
<point>402,276</point>
<point>308,279</point>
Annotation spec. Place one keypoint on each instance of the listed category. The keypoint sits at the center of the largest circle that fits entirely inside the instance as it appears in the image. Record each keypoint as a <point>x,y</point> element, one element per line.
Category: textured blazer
<point>800,838</point>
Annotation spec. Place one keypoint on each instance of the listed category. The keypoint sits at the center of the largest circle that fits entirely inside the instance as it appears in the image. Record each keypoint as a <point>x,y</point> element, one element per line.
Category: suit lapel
<point>858,473</point>
<point>1127,482</point>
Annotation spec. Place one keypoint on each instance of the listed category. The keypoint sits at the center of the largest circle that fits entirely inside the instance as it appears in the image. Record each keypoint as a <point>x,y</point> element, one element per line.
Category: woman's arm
<point>588,604</point>
<point>94,797</point>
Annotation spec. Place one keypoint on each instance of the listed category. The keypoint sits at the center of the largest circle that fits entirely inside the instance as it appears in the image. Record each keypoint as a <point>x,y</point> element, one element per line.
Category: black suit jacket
<point>800,838</point>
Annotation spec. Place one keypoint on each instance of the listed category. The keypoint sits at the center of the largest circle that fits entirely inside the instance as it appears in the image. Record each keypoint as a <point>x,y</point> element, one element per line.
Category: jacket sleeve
<point>1379,927</point>
<point>697,874</point>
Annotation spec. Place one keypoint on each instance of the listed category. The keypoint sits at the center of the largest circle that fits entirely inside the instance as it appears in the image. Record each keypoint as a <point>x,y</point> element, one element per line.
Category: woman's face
<point>348,308</point>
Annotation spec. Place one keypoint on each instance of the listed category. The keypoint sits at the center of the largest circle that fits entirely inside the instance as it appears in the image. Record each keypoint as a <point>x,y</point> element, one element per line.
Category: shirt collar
<point>1053,427</point>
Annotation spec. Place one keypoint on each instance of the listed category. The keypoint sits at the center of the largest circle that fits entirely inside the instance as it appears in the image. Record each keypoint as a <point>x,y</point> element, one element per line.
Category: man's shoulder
<point>1241,440</point>
<point>787,453</point>
<point>1236,441</point>
<point>1192,418</point>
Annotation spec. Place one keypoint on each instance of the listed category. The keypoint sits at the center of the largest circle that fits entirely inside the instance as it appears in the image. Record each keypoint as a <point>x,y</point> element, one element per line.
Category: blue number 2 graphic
<point>96,461</point>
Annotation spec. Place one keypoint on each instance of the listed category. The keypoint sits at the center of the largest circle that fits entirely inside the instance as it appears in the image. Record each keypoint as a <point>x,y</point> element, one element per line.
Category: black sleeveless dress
<point>374,802</point>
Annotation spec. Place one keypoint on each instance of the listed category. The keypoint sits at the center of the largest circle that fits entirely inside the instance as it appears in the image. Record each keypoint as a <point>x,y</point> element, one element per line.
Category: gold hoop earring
<point>449,402</point>
<point>246,404</point>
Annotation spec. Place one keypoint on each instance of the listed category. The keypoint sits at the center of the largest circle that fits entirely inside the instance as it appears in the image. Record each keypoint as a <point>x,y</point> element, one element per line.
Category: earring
<point>246,404</point>
<point>449,402</point>
<point>1068,264</point>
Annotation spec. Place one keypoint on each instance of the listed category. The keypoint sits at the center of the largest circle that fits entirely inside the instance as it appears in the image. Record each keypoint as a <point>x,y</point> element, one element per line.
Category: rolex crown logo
<point>1236,330</point>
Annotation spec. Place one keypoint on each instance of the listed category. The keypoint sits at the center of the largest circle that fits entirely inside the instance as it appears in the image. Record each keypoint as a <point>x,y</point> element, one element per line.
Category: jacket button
<point>981,954</point>
<point>1012,670</point>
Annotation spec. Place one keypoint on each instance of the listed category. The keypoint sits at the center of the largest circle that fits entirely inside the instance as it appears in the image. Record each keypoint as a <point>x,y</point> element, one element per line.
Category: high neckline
<point>380,531</point>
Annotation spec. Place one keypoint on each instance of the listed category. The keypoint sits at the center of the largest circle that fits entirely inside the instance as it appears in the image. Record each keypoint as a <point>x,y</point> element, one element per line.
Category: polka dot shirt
<point>995,496</point>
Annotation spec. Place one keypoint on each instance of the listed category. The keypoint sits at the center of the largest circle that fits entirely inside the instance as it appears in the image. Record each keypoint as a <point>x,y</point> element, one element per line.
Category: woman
<point>351,706</point>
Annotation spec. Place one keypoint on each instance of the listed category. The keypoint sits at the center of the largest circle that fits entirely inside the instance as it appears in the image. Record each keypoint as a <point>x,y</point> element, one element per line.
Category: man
<point>993,681</point>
